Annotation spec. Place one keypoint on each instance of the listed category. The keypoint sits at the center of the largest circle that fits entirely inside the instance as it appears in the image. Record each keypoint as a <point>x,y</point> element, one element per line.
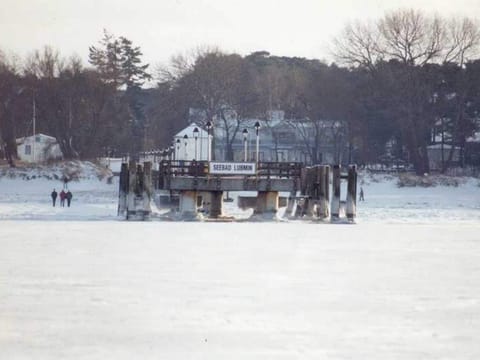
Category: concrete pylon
<point>216,204</point>
<point>123,190</point>
<point>335,204</point>
<point>147,188</point>
<point>267,204</point>
<point>188,204</point>
<point>291,204</point>
<point>352,192</point>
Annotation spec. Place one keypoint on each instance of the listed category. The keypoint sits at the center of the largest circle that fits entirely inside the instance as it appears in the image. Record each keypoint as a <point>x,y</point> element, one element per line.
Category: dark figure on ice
<point>65,182</point>
<point>69,197</point>
<point>361,195</point>
<point>54,197</point>
<point>63,195</point>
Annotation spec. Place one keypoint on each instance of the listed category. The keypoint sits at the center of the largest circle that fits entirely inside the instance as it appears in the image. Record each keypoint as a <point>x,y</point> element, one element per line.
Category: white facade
<point>187,148</point>
<point>435,157</point>
<point>38,148</point>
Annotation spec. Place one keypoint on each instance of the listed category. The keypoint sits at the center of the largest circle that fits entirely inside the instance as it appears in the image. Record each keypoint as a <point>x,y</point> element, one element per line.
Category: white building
<point>437,159</point>
<point>38,148</point>
<point>190,144</point>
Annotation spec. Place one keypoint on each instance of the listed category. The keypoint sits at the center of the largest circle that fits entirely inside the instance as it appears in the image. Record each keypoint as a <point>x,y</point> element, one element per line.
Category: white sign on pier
<point>232,168</point>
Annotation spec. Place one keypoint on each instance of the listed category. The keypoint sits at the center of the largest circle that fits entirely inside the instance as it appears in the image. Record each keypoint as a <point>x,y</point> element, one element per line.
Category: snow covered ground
<point>403,283</point>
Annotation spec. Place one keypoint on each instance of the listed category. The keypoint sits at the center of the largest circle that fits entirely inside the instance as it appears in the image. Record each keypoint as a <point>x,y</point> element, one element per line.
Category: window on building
<point>28,149</point>
<point>37,139</point>
<point>283,136</point>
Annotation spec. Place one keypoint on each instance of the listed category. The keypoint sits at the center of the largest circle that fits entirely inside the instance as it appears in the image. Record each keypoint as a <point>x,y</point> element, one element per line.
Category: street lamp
<point>195,136</point>
<point>257,127</point>
<point>209,145</point>
<point>185,138</point>
<point>177,153</point>
<point>245,144</point>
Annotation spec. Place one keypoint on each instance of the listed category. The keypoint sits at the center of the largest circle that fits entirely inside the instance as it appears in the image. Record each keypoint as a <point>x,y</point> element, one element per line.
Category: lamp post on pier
<point>177,153</point>
<point>195,136</point>
<point>257,128</point>
<point>209,145</point>
<point>185,138</point>
<point>245,144</point>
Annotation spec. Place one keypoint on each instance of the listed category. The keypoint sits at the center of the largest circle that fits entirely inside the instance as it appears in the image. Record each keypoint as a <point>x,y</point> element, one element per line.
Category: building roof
<point>475,138</point>
<point>189,131</point>
<point>439,146</point>
<point>47,137</point>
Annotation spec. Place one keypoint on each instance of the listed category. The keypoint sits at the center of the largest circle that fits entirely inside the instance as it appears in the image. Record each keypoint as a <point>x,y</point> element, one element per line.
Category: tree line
<point>393,82</point>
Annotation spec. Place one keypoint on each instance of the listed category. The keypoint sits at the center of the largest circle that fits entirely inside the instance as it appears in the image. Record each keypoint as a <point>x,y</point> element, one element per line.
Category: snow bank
<point>25,192</point>
<point>96,198</point>
<point>67,170</point>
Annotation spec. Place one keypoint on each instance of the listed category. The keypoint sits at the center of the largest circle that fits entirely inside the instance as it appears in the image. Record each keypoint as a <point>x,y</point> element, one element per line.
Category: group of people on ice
<point>63,196</point>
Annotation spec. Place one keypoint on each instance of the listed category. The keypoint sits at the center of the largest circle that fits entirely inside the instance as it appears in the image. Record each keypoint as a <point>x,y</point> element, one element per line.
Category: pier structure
<point>316,201</point>
<point>135,191</point>
<point>204,183</point>
<point>199,187</point>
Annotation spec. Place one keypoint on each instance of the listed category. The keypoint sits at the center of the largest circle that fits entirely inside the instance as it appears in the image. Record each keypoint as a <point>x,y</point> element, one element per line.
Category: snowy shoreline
<point>95,199</point>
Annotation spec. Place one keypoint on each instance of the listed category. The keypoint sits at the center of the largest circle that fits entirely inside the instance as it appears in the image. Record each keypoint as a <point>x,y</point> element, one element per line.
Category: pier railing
<point>201,169</point>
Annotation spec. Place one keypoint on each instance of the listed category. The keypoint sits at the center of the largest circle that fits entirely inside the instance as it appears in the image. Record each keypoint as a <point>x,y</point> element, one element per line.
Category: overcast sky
<point>163,28</point>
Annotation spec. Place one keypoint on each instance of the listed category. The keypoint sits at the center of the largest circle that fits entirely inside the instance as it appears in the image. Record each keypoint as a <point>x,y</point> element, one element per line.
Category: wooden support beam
<point>147,189</point>
<point>323,183</point>
<point>123,190</point>
<point>216,204</point>
<point>335,204</point>
<point>291,202</point>
<point>352,192</point>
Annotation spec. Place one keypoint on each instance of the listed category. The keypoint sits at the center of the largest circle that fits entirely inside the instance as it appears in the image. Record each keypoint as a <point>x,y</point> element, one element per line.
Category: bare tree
<point>463,40</point>
<point>358,45</point>
<point>408,36</point>
<point>45,63</point>
<point>413,40</point>
<point>216,82</point>
<point>411,37</point>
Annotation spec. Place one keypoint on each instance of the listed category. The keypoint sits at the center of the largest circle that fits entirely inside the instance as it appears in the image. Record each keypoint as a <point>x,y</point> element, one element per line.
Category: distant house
<point>280,139</point>
<point>438,155</point>
<point>38,148</point>
<point>283,140</point>
<point>472,150</point>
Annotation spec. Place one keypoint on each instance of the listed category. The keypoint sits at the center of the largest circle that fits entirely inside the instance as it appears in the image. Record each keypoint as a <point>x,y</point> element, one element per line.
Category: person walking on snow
<point>63,195</point>
<point>69,197</point>
<point>54,197</point>
<point>361,195</point>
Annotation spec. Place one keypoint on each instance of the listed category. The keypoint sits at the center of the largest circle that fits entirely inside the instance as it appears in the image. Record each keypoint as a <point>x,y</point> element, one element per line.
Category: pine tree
<point>118,62</point>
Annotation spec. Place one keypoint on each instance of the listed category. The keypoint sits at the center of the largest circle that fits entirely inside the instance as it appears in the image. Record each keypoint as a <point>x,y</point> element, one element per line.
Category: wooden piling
<point>352,192</point>
<point>290,210</point>
<point>327,187</point>
<point>335,203</point>
<point>216,204</point>
<point>322,194</point>
<point>135,191</point>
<point>123,190</point>
<point>311,191</point>
<point>147,188</point>
<point>132,182</point>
